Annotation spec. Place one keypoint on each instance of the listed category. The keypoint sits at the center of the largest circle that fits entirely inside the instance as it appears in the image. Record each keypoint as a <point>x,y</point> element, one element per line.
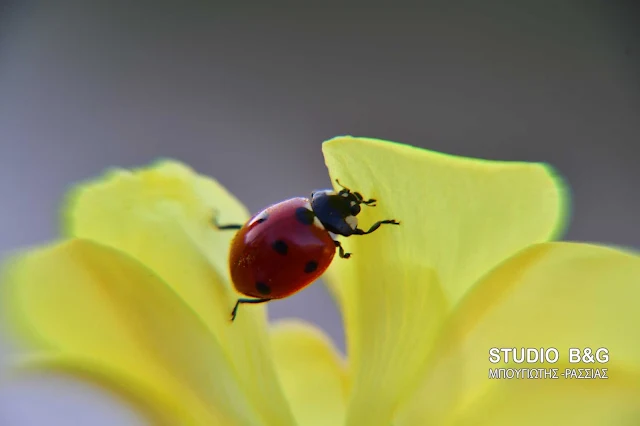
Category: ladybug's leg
<point>226,227</point>
<point>240,301</point>
<point>341,250</point>
<point>375,226</point>
<point>223,227</point>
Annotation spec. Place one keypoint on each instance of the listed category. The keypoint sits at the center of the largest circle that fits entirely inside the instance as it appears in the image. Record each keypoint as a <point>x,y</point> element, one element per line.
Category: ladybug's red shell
<point>280,250</point>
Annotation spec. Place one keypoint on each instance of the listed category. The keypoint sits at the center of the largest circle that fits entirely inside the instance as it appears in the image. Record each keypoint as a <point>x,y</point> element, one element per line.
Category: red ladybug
<point>288,245</point>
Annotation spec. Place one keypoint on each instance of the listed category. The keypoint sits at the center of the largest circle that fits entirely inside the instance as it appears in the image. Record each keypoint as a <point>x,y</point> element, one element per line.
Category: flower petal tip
<point>559,188</point>
<point>110,178</point>
<point>563,194</point>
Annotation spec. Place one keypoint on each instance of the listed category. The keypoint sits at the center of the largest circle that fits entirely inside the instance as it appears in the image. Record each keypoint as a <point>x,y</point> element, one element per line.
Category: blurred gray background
<point>247,95</point>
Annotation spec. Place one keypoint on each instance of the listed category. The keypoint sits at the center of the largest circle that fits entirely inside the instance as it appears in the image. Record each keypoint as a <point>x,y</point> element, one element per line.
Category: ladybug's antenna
<point>371,202</point>
<point>342,186</point>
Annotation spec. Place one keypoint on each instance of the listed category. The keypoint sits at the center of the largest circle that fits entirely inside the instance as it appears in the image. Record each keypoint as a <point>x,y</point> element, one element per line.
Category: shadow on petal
<point>163,216</point>
<point>460,217</point>
<point>552,295</point>
<point>99,312</point>
<point>312,373</point>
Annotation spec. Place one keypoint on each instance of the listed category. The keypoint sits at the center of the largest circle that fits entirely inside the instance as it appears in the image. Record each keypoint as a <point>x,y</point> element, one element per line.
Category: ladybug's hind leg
<point>233,227</point>
<point>226,227</point>
<point>241,301</point>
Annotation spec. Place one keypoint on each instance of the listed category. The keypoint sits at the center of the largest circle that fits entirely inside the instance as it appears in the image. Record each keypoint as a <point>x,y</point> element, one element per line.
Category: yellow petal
<point>97,312</point>
<point>162,216</point>
<point>553,295</point>
<point>556,402</point>
<point>459,218</point>
<point>311,372</point>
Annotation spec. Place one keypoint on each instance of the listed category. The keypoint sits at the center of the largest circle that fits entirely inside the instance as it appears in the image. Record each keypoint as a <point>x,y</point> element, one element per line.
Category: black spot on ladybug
<point>310,266</point>
<point>304,216</point>
<point>281,247</point>
<point>263,288</point>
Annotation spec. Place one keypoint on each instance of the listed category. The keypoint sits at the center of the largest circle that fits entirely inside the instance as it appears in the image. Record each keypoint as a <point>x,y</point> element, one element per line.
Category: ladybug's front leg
<point>341,250</point>
<point>375,226</point>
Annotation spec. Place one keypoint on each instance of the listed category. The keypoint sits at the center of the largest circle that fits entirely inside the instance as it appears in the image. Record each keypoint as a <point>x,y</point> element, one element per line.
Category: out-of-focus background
<point>247,95</point>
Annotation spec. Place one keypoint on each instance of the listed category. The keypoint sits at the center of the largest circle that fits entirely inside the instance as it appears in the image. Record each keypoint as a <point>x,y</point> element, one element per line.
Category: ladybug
<point>288,245</point>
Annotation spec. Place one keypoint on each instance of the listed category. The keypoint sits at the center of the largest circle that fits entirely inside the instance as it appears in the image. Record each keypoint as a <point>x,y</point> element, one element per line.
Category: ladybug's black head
<point>337,211</point>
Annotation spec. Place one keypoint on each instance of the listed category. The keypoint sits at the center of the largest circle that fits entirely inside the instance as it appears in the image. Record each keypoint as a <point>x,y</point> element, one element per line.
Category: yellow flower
<point>137,297</point>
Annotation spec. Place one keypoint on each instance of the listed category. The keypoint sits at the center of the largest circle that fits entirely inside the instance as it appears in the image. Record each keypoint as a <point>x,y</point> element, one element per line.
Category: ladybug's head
<point>337,211</point>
